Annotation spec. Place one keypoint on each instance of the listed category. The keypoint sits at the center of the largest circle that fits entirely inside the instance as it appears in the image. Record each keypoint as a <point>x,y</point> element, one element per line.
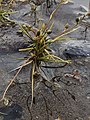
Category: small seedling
<point>39,50</point>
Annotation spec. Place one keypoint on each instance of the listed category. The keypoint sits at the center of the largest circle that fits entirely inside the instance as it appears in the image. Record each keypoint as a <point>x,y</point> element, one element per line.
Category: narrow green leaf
<point>65,33</point>
<point>25,49</point>
<point>25,32</point>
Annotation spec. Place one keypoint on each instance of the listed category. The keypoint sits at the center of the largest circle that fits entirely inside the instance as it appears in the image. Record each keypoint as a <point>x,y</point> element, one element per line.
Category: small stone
<point>36,117</point>
<point>76,49</point>
<point>83,8</point>
<point>88,96</point>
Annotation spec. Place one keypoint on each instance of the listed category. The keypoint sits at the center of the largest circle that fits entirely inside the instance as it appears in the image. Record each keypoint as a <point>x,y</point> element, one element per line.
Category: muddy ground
<point>72,100</point>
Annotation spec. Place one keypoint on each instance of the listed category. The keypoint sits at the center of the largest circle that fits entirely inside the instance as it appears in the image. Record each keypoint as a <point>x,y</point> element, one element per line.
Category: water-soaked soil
<point>72,100</point>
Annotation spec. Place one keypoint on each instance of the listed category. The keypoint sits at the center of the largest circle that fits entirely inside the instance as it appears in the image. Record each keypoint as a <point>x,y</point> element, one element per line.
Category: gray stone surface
<point>69,107</point>
<point>77,48</point>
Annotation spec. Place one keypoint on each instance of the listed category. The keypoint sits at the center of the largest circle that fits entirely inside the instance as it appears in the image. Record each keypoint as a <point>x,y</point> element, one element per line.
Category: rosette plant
<point>38,49</point>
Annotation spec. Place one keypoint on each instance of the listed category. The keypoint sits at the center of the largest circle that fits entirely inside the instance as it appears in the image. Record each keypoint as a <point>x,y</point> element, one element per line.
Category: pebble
<point>88,96</point>
<point>75,49</point>
<point>83,8</point>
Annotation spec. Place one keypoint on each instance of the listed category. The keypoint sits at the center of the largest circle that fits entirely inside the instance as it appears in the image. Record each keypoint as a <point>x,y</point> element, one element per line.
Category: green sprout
<point>4,19</point>
<point>5,11</point>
